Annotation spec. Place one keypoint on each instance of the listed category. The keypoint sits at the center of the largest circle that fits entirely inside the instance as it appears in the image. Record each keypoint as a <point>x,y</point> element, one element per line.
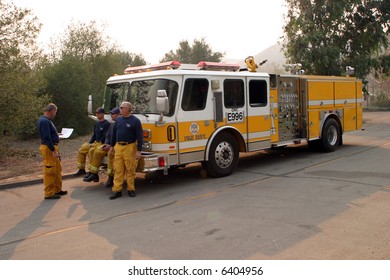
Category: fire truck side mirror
<point>90,105</point>
<point>162,102</point>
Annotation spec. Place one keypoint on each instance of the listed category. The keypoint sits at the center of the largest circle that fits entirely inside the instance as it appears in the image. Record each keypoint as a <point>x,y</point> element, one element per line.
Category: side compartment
<point>346,97</point>
<point>288,108</point>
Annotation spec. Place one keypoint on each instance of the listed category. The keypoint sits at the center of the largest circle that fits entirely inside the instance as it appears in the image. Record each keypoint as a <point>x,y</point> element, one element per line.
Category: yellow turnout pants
<point>52,176</point>
<point>97,158</point>
<point>124,163</point>
<point>85,149</point>
<point>110,163</point>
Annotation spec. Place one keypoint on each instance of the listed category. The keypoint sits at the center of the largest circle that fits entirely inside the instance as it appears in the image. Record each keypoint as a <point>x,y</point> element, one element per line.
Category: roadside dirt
<point>25,160</point>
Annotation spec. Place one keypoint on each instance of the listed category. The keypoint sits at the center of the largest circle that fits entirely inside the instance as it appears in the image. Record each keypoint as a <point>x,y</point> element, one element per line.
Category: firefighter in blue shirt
<point>97,139</point>
<point>52,176</point>
<point>102,151</point>
<point>127,140</point>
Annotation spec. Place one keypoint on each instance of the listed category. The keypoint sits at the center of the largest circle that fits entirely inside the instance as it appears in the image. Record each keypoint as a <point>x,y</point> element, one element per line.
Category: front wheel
<point>330,136</point>
<point>223,156</point>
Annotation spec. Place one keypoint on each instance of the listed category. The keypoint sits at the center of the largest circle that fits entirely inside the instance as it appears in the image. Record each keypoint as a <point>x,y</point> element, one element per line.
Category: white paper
<point>65,133</point>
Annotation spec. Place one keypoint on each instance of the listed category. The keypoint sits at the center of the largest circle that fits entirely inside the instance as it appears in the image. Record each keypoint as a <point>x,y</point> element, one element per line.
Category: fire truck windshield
<point>142,94</point>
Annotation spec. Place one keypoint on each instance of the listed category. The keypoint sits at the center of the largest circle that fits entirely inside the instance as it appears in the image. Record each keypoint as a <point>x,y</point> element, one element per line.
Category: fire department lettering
<point>235,117</point>
<point>195,137</point>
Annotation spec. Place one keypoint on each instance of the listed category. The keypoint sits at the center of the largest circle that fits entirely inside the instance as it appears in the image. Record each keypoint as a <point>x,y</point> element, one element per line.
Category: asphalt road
<point>279,204</point>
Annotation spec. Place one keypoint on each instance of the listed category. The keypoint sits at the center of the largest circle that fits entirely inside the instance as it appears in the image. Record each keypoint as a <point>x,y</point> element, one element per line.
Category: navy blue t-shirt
<point>109,134</point>
<point>47,132</point>
<point>127,130</point>
<point>99,131</point>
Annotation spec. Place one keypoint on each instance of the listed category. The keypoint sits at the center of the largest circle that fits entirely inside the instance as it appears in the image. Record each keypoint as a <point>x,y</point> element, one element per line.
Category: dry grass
<point>21,157</point>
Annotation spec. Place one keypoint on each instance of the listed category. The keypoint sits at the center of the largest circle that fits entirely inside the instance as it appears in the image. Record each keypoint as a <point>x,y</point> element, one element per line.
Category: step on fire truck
<point>210,112</point>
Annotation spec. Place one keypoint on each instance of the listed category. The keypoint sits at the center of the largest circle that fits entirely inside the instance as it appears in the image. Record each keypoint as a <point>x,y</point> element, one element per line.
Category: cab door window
<point>195,94</point>
<point>233,92</point>
<point>258,93</point>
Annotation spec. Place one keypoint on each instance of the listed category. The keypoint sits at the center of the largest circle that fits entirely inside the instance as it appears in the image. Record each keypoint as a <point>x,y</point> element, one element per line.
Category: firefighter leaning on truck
<point>97,139</point>
<point>102,151</point>
<point>126,141</point>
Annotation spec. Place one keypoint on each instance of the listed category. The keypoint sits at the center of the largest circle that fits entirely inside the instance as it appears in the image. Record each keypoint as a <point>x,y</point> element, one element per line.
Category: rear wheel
<point>223,156</point>
<point>330,136</point>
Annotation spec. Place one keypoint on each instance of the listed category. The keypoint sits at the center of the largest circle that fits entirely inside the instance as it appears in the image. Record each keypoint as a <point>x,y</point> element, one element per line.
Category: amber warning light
<point>147,68</point>
<point>217,66</point>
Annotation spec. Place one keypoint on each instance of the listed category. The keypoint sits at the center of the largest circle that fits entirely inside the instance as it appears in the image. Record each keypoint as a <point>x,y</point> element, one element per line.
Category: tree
<point>21,80</point>
<point>199,51</point>
<point>82,40</point>
<point>382,70</point>
<point>68,85</point>
<point>326,36</point>
<point>130,59</point>
<point>82,61</point>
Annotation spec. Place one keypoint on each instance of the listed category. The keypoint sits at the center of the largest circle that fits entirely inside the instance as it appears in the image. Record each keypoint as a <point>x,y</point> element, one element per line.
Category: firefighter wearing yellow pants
<point>99,134</point>
<point>52,172</point>
<point>86,149</point>
<point>127,139</point>
<point>125,163</point>
<point>100,152</point>
<point>52,176</point>
<point>110,165</point>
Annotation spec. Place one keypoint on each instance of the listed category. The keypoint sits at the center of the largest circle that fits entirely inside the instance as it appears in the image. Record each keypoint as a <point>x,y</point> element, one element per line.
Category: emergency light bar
<point>217,66</point>
<point>203,65</point>
<point>147,68</point>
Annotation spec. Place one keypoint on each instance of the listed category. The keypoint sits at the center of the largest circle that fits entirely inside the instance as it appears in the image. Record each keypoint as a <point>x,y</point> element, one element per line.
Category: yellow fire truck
<point>210,112</point>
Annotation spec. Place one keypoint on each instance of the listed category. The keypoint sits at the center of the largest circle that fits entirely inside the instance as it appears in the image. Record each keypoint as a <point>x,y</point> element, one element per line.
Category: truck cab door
<point>259,119</point>
<point>195,118</point>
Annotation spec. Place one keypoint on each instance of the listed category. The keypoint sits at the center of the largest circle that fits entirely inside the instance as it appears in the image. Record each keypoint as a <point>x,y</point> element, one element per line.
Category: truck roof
<point>180,72</point>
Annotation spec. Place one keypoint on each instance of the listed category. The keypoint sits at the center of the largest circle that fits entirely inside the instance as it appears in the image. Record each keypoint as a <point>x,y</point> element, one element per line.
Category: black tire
<point>223,156</point>
<point>331,136</point>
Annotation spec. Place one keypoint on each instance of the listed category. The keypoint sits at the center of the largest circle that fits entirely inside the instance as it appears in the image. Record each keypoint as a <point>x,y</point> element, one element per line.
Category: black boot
<point>93,177</point>
<point>115,195</point>
<point>80,172</point>
<point>110,182</point>
<point>88,174</point>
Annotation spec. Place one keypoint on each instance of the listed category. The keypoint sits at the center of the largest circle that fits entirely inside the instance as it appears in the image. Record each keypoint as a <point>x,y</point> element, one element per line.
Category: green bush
<point>382,100</point>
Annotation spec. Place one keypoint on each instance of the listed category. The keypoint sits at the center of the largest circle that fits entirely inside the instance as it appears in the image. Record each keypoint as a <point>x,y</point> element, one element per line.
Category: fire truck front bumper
<point>153,162</point>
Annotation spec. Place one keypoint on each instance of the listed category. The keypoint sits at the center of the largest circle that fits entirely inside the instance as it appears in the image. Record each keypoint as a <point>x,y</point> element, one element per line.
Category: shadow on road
<point>25,229</point>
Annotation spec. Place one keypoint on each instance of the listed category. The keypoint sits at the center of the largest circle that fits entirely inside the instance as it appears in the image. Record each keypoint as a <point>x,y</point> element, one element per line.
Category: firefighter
<point>52,177</point>
<point>102,151</point>
<point>98,136</point>
<point>127,140</point>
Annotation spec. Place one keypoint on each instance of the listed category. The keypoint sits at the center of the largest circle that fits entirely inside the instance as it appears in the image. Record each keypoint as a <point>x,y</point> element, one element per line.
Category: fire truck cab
<point>210,112</point>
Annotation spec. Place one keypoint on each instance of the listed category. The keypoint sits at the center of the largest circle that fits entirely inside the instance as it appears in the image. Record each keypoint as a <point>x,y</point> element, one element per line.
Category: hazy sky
<point>154,27</point>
